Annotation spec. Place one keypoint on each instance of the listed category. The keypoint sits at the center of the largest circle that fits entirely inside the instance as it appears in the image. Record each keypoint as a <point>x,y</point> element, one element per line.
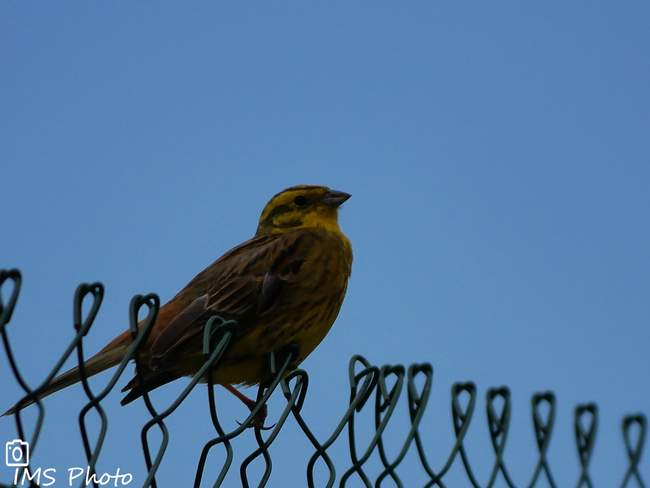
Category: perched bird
<point>284,286</point>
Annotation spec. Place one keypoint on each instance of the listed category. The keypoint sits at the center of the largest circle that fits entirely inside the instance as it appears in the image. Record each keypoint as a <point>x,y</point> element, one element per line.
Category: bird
<point>284,286</point>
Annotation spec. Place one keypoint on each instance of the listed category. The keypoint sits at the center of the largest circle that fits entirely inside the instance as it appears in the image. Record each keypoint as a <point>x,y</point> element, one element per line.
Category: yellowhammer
<point>284,286</point>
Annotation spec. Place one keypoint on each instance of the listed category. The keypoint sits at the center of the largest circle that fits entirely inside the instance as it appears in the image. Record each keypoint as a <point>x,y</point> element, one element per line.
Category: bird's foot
<point>260,417</point>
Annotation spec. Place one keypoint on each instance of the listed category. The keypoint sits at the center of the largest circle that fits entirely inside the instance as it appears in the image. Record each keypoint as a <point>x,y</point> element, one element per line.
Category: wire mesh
<point>365,380</point>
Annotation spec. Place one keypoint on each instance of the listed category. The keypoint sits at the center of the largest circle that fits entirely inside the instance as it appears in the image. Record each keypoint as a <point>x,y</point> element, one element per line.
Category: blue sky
<point>497,154</point>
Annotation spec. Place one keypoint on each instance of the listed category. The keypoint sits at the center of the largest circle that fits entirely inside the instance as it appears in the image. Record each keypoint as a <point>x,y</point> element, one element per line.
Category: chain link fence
<point>369,388</point>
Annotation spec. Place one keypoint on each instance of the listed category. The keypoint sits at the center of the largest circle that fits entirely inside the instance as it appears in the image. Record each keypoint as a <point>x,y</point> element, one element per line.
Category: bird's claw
<point>257,425</point>
<point>260,417</point>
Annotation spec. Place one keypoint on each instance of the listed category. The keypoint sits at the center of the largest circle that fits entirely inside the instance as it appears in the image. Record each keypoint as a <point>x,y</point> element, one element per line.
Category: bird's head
<point>301,206</point>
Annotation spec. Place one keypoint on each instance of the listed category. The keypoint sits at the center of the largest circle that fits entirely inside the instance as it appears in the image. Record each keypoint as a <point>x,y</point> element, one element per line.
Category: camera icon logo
<point>17,453</point>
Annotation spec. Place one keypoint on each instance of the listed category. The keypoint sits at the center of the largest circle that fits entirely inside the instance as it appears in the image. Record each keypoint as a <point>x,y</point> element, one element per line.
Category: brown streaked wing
<point>260,278</point>
<point>179,327</point>
<point>188,325</point>
<point>238,291</point>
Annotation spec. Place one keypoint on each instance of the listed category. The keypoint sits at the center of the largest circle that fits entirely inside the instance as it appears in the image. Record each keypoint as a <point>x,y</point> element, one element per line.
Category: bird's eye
<point>300,201</point>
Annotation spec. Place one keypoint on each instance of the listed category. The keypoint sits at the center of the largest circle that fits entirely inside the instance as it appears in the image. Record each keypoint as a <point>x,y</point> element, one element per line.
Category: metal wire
<point>386,383</point>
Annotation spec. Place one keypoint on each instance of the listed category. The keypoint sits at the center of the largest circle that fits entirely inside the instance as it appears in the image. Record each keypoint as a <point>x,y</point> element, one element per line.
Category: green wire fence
<point>365,380</point>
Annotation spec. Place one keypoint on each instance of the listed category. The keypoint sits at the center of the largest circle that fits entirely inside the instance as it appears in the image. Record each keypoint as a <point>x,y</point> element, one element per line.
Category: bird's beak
<point>334,198</point>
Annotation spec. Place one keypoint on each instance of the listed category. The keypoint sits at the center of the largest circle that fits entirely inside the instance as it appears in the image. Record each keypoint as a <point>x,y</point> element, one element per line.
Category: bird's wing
<point>245,284</point>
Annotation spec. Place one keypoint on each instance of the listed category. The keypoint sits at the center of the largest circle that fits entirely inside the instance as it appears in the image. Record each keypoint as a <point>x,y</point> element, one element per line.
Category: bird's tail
<point>96,364</point>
